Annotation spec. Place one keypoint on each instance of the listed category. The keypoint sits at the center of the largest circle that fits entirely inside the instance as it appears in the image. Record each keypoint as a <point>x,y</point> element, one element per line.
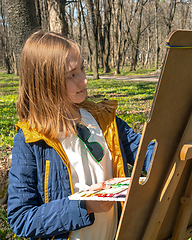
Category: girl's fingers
<point>99,206</point>
<point>99,186</point>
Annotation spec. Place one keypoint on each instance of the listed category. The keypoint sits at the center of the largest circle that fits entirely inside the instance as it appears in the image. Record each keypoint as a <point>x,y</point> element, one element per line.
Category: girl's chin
<point>80,99</point>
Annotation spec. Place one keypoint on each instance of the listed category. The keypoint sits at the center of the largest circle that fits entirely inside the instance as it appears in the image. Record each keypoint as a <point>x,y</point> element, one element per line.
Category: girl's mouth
<point>82,91</point>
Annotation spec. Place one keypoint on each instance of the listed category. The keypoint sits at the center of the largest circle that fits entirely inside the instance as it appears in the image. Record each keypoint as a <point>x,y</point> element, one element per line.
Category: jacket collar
<point>30,136</point>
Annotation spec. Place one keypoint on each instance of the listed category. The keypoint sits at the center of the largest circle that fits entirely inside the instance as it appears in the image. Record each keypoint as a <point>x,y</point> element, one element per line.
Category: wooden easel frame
<point>161,208</point>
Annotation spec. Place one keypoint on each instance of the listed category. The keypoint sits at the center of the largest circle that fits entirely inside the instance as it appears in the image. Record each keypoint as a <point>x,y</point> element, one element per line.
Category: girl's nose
<point>82,79</point>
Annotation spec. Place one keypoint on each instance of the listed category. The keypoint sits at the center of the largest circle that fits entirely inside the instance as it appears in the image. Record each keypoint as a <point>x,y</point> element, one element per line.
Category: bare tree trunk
<point>43,14</point>
<point>135,46</point>
<point>169,15</point>
<point>128,23</point>
<point>79,23</point>
<point>184,12</point>
<point>172,8</point>
<point>101,40</point>
<point>6,49</point>
<point>71,22</point>
<point>22,21</point>
<point>148,48</point>
<point>124,55</point>
<point>94,24</point>
<point>118,34</point>
<point>57,17</point>
<point>156,36</point>
<point>7,53</point>
<point>133,59</point>
<point>112,50</point>
<point>38,11</point>
<point>107,25</point>
<point>87,37</point>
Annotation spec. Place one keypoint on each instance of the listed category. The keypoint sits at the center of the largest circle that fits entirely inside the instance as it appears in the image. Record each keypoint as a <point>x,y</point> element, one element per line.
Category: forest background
<point>112,33</point>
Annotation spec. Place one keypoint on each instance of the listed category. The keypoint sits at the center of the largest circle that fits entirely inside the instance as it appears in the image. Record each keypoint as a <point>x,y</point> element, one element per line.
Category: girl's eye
<point>83,67</point>
<point>71,76</point>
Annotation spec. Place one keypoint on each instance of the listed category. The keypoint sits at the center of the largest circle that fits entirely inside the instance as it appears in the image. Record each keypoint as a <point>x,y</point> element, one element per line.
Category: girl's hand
<point>99,206</point>
<point>99,186</point>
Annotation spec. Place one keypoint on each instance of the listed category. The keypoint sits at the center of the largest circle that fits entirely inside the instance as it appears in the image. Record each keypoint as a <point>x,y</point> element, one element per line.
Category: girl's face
<point>76,81</point>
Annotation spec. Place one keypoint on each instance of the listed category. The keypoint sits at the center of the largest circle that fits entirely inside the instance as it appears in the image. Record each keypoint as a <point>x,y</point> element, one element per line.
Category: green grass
<point>134,98</point>
<point>125,71</point>
<point>8,96</point>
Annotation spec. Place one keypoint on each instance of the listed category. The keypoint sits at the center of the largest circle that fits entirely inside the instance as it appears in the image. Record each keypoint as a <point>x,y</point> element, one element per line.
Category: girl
<point>64,144</point>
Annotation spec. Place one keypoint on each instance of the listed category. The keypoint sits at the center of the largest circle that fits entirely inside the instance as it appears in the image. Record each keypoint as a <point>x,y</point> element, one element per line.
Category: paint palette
<point>116,192</point>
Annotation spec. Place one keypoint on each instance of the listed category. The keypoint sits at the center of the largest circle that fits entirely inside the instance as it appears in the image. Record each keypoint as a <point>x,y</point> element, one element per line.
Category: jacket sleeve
<point>26,216</point>
<point>129,142</point>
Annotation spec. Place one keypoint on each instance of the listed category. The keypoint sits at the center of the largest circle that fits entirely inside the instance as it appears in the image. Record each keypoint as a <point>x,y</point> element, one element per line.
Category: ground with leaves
<point>5,161</point>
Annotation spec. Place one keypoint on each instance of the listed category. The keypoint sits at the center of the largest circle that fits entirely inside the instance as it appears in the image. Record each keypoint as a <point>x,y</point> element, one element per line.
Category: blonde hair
<point>43,100</point>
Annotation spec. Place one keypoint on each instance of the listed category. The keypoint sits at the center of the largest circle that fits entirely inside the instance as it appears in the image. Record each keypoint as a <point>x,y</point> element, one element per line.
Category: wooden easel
<point>161,208</point>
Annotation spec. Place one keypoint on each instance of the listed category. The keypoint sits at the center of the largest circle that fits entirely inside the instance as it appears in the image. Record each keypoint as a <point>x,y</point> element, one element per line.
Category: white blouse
<point>85,172</point>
